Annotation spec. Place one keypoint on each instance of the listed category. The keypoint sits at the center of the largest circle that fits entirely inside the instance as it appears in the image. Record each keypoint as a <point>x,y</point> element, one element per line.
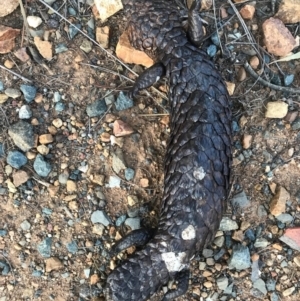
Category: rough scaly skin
<point>198,157</point>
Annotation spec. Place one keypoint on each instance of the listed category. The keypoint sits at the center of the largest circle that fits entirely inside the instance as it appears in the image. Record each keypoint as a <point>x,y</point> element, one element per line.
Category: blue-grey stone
<point>65,275</point>
<point>114,181</point>
<point>96,108</point>
<point>2,150</point>
<point>240,200</point>
<point>261,211</point>
<point>22,135</point>
<point>100,216</point>
<point>211,50</point>
<point>288,79</point>
<point>228,224</point>
<point>41,167</point>
<point>56,97</point>
<point>215,38</point>
<point>1,86</point>
<point>274,297</point>
<point>296,124</point>
<point>133,223</point>
<point>91,23</point>
<point>123,102</point>
<point>3,232</point>
<point>270,284</point>
<point>72,11</point>
<point>3,190</point>
<point>59,106</point>
<point>129,174</point>
<point>72,247</point>
<point>44,248</point>
<point>37,273</point>
<point>285,218</point>
<point>260,285</point>
<point>61,47</point>
<point>235,126</point>
<point>4,267</point>
<point>29,92</point>
<point>222,283</point>
<point>25,112</point>
<point>47,211</point>
<point>63,178</point>
<point>73,30</point>
<point>16,159</point>
<point>120,220</point>
<point>25,225</point>
<point>240,258</point>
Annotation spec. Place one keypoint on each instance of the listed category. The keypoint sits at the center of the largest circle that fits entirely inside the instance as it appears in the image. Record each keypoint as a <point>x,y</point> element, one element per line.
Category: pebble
<point>228,224</point>
<point>22,135</point>
<point>260,285</point>
<point>72,247</point>
<point>132,200</point>
<point>57,122</point>
<point>44,248</point>
<point>240,200</point>
<point>2,153</point>
<point>34,21</point>
<point>4,267</point>
<point>63,178</point>
<point>86,45</point>
<point>296,259</point>
<point>100,216</point>
<point>240,258</point>
<point>288,79</point>
<point>121,128</point>
<point>261,243</point>
<point>254,62</point>
<point>98,229</point>
<point>29,92</point>
<point>129,173</point>
<point>96,108</point>
<point>270,284</point>
<point>296,124</point>
<point>56,97</point>
<point>41,167</point>
<point>117,163</point>
<point>222,283</point>
<point>73,30</point>
<point>59,107</point>
<point>53,264</point>
<point>1,86</point>
<point>25,225</point>
<point>36,273</point>
<point>87,273</point>
<point>13,93</point>
<point>61,47</point>
<point>247,12</point>
<point>215,38</point>
<point>276,109</point>
<point>3,232</point>
<point>16,159</point>
<point>211,50</point>
<point>9,64</point>
<point>120,220</point>
<point>123,102</point>
<point>43,149</point>
<point>71,186</point>
<point>25,112</point>
<point>133,222</point>
<point>285,218</point>
<point>219,241</point>
<point>114,181</point>
<point>242,75</point>
<point>288,291</point>
<point>278,202</point>
<point>274,297</point>
<point>292,238</point>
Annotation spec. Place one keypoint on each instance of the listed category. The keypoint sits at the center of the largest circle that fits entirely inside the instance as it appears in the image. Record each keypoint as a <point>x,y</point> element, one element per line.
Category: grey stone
<point>260,285</point>
<point>2,153</point>
<point>29,92</point>
<point>25,112</point>
<point>123,102</point>
<point>16,159</point>
<point>59,106</point>
<point>3,232</point>
<point>274,297</point>
<point>96,108</point>
<point>240,258</point>
<point>207,253</point>
<point>1,86</point>
<point>296,124</point>
<point>73,30</point>
<point>222,283</point>
<point>61,47</point>
<point>129,174</point>
<point>240,200</point>
<point>133,222</point>
<point>219,241</point>
<point>36,273</point>
<point>44,248</point>
<point>228,224</point>
<point>261,211</point>
<point>270,284</point>
<point>25,225</point>
<point>4,268</point>
<point>228,290</point>
<point>41,167</point>
<point>100,216</point>
<point>117,163</point>
<point>261,243</point>
<point>120,220</point>
<point>13,93</point>
<point>285,218</point>
<point>22,135</point>
<point>63,178</point>
<point>114,181</point>
<point>86,46</point>
<point>72,247</point>
<point>56,97</point>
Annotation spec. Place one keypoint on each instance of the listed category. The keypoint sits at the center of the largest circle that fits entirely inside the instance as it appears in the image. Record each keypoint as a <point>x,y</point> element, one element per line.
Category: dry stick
<point>267,84</point>
<point>16,74</point>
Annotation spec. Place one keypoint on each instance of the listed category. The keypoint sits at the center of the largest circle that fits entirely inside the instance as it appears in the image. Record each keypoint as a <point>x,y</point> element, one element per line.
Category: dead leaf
<point>7,38</point>
<point>7,7</point>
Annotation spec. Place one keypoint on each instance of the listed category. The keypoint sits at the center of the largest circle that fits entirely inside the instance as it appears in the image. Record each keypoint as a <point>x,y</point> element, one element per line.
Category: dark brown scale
<point>198,155</point>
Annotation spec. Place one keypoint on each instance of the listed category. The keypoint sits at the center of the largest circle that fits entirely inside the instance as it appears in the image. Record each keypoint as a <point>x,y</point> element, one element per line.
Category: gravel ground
<point>81,164</point>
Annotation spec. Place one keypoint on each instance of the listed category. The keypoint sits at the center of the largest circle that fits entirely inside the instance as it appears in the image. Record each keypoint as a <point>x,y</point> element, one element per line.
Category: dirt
<point>80,84</point>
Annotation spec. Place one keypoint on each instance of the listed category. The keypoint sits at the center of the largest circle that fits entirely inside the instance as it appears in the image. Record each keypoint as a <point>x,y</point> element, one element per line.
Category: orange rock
<point>278,39</point>
<point>130,55</point>
<point>277,205</point>
<point>45,138</point>
<point>102,36</point>
<point>44,48</point>
<point>247,12</point>
<point>289,11</point>
<point>7,38</point>
<point>122,129</point>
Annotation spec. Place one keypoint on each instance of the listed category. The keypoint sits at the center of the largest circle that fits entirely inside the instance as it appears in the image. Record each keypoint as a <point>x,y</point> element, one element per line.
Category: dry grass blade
<point>16,74</point>
<point>294,56</point>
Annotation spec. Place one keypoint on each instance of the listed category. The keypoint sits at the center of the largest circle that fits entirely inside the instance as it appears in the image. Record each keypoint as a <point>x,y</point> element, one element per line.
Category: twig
<point>16,74</point>
<point>249,69</point>
<point>154,115</point>
<point>42,182</point>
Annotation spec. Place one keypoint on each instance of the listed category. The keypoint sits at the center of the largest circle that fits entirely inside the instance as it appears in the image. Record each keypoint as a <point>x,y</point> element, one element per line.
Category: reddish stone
<point>122,129</point>
<point>292,238</point>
